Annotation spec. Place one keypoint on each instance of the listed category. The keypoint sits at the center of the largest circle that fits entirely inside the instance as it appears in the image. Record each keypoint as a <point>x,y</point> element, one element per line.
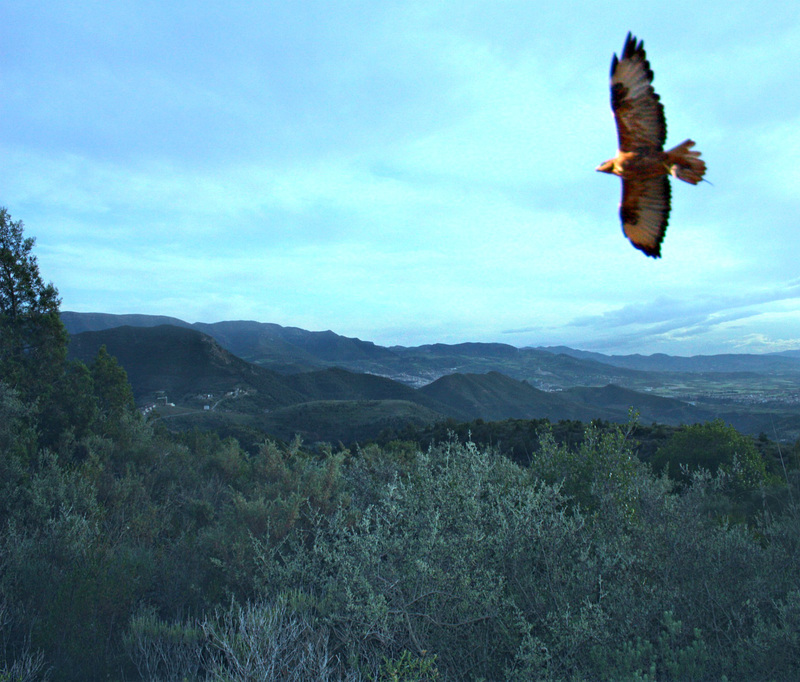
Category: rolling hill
<point>494,396</point>
<point>651,408</point>
<point>346,421</point>
<point>341,384</point>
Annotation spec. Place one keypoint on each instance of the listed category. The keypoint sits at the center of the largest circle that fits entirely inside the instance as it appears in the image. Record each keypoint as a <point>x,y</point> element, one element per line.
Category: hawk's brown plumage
<point>641,161</point>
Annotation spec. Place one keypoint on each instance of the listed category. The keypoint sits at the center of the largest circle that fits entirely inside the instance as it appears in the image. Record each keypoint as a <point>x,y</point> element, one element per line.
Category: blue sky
<point>405,172</point>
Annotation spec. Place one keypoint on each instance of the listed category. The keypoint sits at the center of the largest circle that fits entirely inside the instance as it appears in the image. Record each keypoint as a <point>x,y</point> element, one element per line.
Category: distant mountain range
<point>325,386</point>
<point>290,350</point>
<point>786,361</point>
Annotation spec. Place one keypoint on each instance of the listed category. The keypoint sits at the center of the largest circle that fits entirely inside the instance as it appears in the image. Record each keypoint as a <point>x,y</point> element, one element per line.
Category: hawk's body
<point>641,161</point>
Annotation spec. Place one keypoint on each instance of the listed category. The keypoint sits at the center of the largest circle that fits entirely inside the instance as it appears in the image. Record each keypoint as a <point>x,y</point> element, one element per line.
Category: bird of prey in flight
<point>641,161</point>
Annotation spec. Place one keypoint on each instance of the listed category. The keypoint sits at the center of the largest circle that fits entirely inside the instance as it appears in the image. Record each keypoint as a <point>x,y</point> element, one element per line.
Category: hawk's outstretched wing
<point>637,109</point>
<point>644,212</point>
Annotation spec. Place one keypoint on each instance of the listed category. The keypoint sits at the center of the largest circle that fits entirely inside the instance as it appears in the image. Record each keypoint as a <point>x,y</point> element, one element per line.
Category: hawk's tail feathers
<point>686,164</point>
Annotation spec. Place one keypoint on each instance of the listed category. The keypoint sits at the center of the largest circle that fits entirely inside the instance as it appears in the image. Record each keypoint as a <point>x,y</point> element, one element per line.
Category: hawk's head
<point>606,166</point>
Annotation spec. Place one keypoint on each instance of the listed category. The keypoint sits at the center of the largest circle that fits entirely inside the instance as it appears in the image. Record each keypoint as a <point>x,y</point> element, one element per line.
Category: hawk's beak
<point>606,167</point>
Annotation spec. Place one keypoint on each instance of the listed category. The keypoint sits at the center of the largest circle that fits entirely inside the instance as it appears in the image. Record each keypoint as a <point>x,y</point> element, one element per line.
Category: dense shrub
<point>476,560</point>
<point>459,564</point>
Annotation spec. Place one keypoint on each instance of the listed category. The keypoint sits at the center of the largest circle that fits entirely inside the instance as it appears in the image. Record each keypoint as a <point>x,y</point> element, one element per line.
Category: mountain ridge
<point>292,349</point>
<point>278,367</point>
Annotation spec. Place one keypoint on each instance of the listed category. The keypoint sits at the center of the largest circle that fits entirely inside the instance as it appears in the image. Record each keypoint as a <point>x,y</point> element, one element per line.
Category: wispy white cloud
<point>667,310</point>
<point>730,322</point>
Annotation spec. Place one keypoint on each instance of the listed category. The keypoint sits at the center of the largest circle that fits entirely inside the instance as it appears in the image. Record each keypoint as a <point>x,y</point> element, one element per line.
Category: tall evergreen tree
<point>33,340</point>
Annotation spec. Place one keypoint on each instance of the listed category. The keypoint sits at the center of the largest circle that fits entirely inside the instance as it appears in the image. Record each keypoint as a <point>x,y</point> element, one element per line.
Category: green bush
<point>409,668</point>
<point>713,446</point>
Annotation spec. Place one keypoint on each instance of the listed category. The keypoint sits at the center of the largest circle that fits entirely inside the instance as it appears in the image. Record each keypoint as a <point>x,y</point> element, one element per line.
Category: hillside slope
<point>335,383</point>
<point>650,407</point>
<point>346,420</point>
<point>183,362</point>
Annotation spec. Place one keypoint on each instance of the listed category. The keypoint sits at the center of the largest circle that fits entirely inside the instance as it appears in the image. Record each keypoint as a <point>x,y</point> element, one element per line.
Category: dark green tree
<point>111,386</point>
<point>33,340</point>
<point>70,411</point>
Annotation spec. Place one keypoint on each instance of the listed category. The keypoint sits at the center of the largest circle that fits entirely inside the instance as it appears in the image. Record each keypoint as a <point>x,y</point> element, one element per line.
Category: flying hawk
<point>641,161</point>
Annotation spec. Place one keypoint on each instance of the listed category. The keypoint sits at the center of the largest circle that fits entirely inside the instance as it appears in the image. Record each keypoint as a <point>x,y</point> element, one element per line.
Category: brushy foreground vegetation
<point>127,552</point>
<point>151,558</point>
